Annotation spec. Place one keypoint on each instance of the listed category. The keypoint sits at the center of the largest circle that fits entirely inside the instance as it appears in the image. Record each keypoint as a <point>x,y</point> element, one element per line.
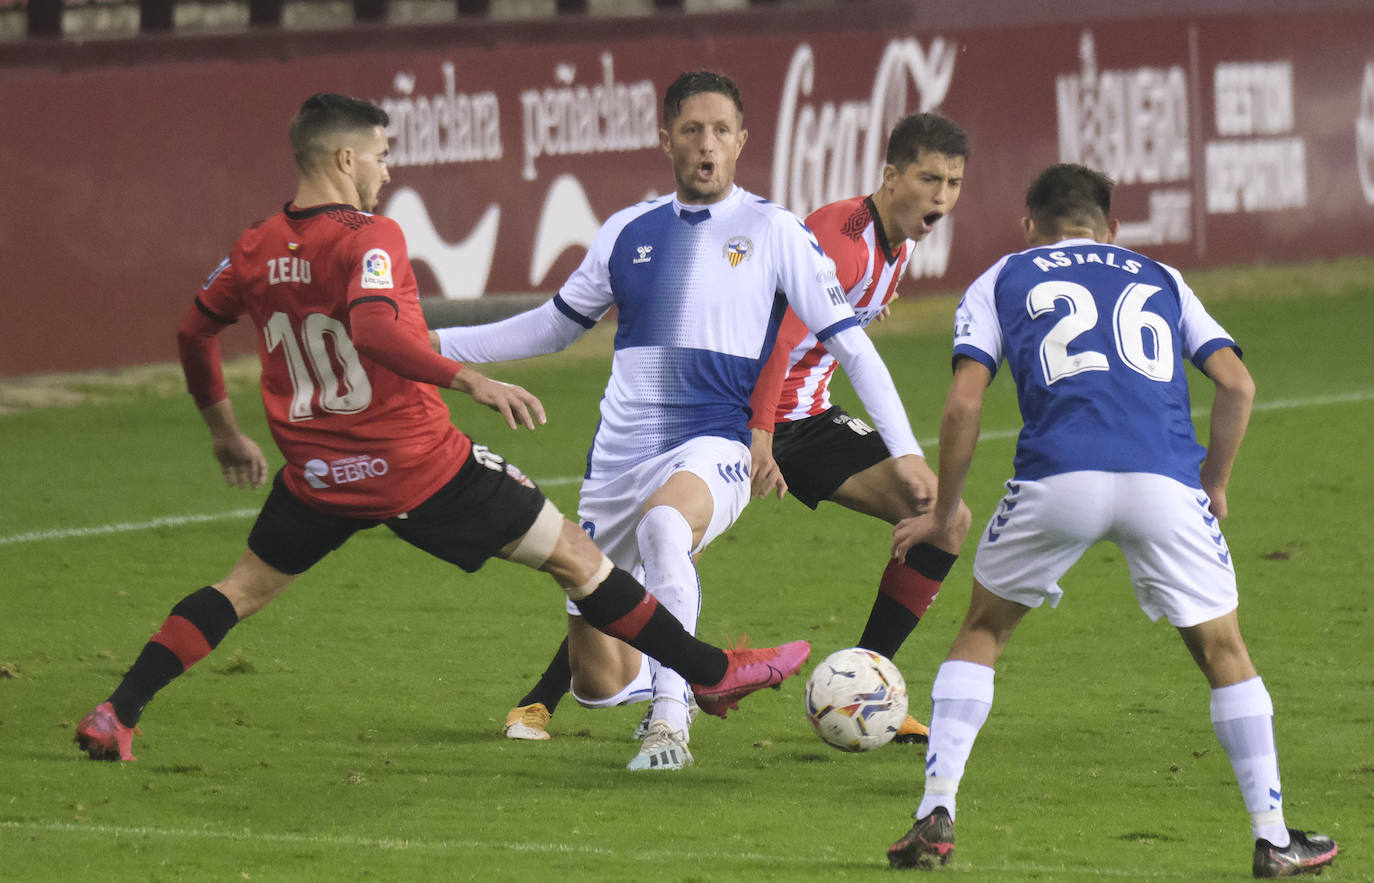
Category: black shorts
<point>818,454</point>
<point>480,511</point>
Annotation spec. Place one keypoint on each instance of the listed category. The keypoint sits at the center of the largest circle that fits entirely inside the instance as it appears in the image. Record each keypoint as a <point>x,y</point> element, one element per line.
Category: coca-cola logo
<point>829,150</point>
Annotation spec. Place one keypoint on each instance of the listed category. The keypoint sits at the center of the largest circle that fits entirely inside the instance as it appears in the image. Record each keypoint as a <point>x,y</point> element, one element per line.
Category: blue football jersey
<point>701,292</point>
<point>1095,336</point>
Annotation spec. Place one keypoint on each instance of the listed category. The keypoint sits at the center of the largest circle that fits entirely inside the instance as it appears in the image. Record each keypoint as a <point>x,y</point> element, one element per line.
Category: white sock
<point>672,709</point>
<point>665,546</point>
<point>961,698</point>
<point>1243,718</point>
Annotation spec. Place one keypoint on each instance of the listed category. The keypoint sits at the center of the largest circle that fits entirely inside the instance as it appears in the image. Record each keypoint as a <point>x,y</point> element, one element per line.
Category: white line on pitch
<point>124,527</point>
<point>657,854</point>
<point>179,520</point>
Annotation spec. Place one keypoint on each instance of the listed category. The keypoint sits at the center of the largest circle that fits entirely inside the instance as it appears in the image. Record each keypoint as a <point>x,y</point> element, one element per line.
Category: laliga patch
<point>377,269</point>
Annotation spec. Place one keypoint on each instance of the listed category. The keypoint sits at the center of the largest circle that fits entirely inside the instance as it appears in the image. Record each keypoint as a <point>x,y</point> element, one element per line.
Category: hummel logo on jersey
<point>733,472</point>
<point>643,254</point>
<point>1002,518</point>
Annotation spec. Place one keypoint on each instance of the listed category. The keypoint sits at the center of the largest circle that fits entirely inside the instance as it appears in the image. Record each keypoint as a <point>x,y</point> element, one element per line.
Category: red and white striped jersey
<point>852,235</point>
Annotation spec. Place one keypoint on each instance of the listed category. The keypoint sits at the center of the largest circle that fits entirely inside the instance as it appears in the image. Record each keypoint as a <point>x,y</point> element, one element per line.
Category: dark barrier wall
<point>1237,136</point>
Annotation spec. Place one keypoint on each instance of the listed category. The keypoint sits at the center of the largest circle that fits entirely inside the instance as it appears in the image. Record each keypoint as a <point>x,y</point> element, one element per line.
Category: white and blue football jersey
<point>700,293</point>
<point>1095,336</point>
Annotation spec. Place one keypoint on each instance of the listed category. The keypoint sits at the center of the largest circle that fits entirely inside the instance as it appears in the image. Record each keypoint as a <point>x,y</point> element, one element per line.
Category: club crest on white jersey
<point>696,322</point>
<point>737,249</point>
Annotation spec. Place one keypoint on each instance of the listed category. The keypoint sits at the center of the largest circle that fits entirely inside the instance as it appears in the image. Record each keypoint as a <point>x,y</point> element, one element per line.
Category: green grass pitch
<point>352,730</point>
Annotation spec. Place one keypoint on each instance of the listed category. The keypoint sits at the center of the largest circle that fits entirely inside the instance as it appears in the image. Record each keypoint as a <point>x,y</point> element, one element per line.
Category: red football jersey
<point>797,374</point>
<point>359,438</point>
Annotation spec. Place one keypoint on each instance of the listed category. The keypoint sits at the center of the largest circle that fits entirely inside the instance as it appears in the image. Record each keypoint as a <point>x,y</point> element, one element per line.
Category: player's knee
<point>594,688</point>
<point>252,584</point>
<point>1219,650</point>
<point>538,544</point>
<point>246,599</point>
<point>950,537</point>
<point>576,562</point>
<point>665,526</point>
<point>991,616</point>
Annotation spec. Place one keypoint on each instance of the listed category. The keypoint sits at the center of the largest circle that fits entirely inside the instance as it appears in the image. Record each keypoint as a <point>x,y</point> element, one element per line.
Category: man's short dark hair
<point>696,83</point>
<point>930,132</point>
<point>328,113</point>
<point>1069,194</point>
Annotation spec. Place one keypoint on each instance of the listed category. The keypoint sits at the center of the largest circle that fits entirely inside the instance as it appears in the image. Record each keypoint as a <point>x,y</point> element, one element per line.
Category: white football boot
<point>663,748</point>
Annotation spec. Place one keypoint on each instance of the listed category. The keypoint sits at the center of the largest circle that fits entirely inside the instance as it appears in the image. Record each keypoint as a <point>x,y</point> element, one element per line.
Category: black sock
<point>889,625</point>
<point>905,593</point>
<point>931,562</point>
<point>195,627</point>
<point>621,608</point>
<point>554,683</point>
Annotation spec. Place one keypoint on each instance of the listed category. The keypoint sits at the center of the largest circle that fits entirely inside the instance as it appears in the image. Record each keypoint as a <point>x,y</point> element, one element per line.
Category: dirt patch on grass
<point>19,394</point>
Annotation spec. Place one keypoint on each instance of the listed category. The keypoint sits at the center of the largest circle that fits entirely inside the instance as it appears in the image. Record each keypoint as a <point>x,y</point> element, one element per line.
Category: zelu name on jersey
<point>288,269</point>
<point>1058,259</point>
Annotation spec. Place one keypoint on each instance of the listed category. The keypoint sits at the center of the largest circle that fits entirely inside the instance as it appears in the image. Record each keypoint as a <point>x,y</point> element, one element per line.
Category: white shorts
<point>1179,562</point>
<point>610,510</point>
<point>639,689</point>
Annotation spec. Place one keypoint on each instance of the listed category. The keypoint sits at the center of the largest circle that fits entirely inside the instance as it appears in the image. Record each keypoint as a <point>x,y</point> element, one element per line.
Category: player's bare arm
<point>377,335</point>
<point>240,459</point>
<point>519,406</point>
<point>959,426</point>
<point>1230,416</point>
<point>764,476</point>
<point>916,475</point>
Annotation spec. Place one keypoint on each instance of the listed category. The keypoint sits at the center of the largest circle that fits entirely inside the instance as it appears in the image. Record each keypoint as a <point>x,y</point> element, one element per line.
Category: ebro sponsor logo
<point>350,469</point>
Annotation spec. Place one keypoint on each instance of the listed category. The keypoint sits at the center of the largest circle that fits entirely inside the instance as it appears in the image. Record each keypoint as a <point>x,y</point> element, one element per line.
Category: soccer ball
<point>856,699</point>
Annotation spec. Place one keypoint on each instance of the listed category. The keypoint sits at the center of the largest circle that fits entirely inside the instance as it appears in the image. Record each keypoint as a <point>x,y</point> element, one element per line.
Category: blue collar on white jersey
<point>695,214</point>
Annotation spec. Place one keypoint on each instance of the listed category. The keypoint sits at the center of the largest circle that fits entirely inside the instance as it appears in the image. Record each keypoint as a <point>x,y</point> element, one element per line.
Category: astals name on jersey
<point>1095,336</point>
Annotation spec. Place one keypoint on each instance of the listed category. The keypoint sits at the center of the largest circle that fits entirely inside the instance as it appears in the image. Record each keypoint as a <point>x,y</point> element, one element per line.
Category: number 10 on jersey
<point>340,378</point>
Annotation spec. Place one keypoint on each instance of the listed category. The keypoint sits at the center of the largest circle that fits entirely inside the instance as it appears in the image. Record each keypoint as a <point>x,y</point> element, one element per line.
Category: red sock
<point>195,627</point>
<point>905,593</point>
<point>912,590</point>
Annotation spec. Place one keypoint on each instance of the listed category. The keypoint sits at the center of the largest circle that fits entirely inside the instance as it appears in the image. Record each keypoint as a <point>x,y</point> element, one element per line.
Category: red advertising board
<point>1234,137</point>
